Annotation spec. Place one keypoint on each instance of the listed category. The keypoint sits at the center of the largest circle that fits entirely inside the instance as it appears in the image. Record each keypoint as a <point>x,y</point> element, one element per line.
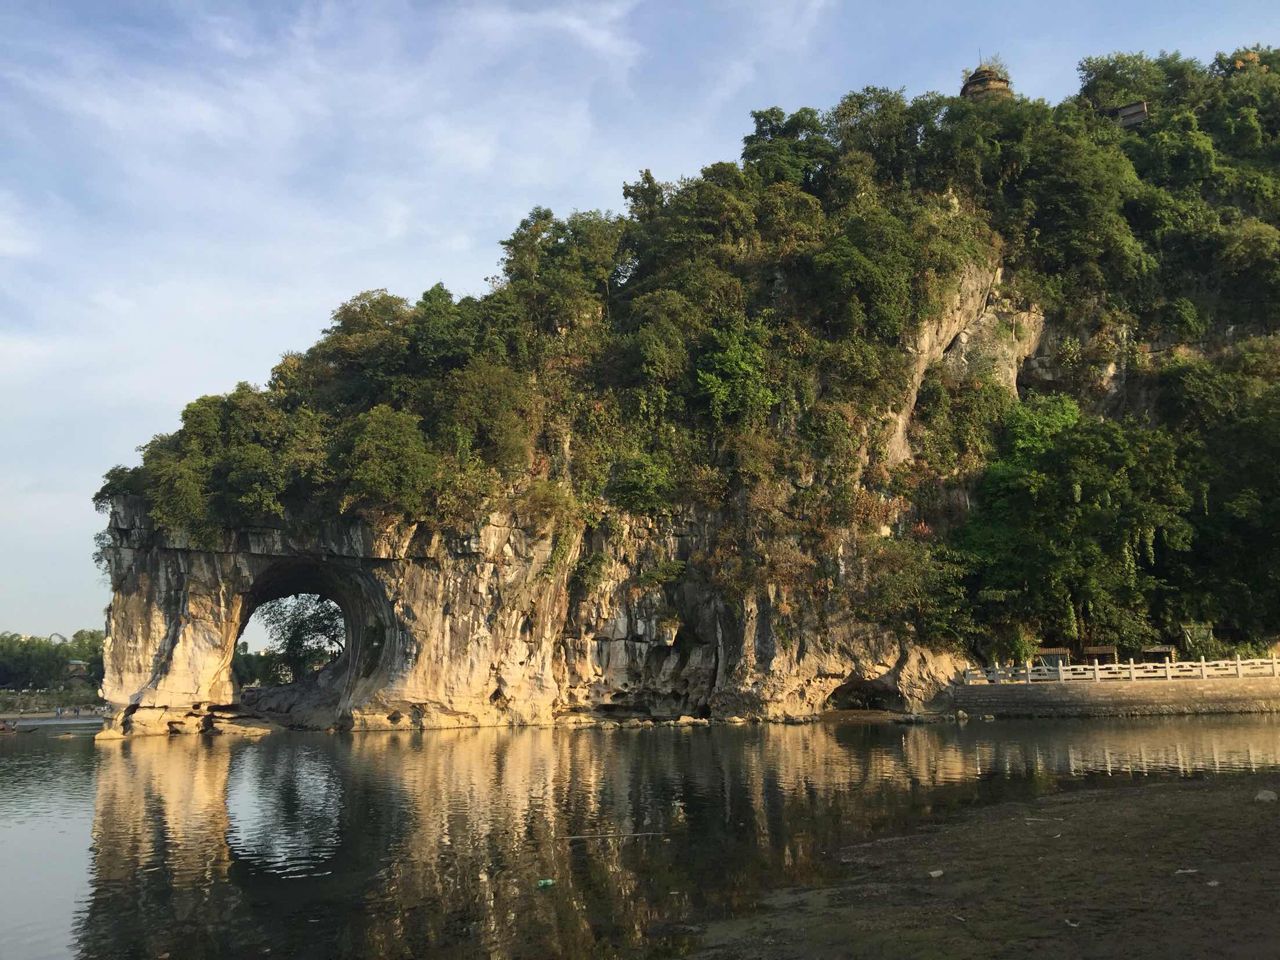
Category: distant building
<point>1053,656</point>
<point>76,669</point>
<point>1102,654</point>
<point>1129,115</point>
<point>988,82</point>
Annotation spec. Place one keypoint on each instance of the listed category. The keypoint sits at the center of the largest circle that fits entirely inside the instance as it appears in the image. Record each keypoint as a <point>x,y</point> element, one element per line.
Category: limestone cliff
<point>493,627</point>
<point>481,630</point>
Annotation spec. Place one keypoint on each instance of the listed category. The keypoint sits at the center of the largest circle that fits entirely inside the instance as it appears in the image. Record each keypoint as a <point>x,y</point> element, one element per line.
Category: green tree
<point>1072,523</point>
<point>306,632</point>
<point>733,375</point>
<point>642,483</point>
<point>1227,419</point>
<point>917,589</point>
<point>41,663</point>
<point>390,464</point>
<point>791,149</point>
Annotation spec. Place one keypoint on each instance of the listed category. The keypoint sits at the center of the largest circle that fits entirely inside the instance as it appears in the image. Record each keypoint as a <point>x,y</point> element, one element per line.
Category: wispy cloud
<point>17,231</point>
<point>599,28</point>
<point>188,198</point>
<point>774,29</point>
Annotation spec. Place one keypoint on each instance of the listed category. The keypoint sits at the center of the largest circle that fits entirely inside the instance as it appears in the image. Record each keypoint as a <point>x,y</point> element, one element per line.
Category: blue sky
<point>188,189</point>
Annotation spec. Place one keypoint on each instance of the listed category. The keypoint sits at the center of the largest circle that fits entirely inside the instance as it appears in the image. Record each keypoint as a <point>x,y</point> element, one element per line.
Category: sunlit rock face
<point>491,629</point>
<point>498,625</point>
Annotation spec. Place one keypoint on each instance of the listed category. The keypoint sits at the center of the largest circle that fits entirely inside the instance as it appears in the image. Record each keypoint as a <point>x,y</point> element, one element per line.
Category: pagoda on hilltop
<point>990,81</point>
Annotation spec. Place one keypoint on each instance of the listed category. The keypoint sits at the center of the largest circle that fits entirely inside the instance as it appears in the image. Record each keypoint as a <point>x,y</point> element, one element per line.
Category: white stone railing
<point>1097,672</point>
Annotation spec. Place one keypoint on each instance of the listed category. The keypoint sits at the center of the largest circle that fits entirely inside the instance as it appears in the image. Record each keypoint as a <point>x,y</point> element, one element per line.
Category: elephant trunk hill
<point>912,384</point>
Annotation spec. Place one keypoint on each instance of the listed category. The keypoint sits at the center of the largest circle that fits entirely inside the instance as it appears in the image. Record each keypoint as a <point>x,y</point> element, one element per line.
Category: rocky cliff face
<point>500,626</point>
<point>482,630</point>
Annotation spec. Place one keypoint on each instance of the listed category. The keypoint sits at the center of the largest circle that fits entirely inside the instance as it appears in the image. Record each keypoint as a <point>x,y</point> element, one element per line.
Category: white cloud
<point>460,143</point>
<point>17,234</point>
<point>204,204</point>
<point>23,355</point>
<point>597,27</point>
<point>770,30</point>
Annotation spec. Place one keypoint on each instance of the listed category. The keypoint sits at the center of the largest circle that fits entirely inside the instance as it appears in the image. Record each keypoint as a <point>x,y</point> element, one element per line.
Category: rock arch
<point>488,627</point>
<point>434,626</point>
<point>491,627</point>
<point>323,699</point>
<point>178,610</point>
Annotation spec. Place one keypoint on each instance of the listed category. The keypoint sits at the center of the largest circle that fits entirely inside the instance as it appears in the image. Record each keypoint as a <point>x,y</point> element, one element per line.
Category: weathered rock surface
<point>470,631</point>
<point>494,628</point>
<point>981,329</point>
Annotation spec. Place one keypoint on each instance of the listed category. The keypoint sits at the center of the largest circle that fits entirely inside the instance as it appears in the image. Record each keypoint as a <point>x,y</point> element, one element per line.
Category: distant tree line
<point>305,633</point>
<point>42,663</point>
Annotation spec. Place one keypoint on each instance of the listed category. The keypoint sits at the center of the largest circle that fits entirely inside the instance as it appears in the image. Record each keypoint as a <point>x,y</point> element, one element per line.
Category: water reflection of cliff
<point>403,845</point>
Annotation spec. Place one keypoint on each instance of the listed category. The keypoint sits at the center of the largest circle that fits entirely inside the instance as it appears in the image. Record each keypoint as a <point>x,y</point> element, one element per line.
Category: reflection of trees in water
<point>406,844</point>
<point>284,808</point>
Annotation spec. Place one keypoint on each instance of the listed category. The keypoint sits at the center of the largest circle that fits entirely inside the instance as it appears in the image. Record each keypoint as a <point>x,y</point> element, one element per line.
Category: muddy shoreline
<point>1169,868</point>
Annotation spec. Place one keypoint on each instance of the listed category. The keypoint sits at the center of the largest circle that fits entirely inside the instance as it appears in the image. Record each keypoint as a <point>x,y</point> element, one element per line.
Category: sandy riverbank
<point>1167,869</point>
<point>48,716</point>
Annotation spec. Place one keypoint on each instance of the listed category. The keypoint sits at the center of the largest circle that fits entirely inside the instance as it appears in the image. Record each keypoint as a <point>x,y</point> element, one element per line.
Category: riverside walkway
<point>1122,689</point>
<point>1098,672</point>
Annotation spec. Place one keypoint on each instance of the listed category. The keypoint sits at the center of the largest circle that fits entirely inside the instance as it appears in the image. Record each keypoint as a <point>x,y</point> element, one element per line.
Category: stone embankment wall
<point>1120,698</point>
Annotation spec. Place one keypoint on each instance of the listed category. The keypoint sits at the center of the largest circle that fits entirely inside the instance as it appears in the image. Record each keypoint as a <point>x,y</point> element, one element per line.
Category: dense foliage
<point>737,341</point>
<point>304,632</point>
<point>43,663</point>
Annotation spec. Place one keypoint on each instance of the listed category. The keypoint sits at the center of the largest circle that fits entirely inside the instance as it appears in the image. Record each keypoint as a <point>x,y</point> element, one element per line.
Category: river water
<point>533,843</point>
